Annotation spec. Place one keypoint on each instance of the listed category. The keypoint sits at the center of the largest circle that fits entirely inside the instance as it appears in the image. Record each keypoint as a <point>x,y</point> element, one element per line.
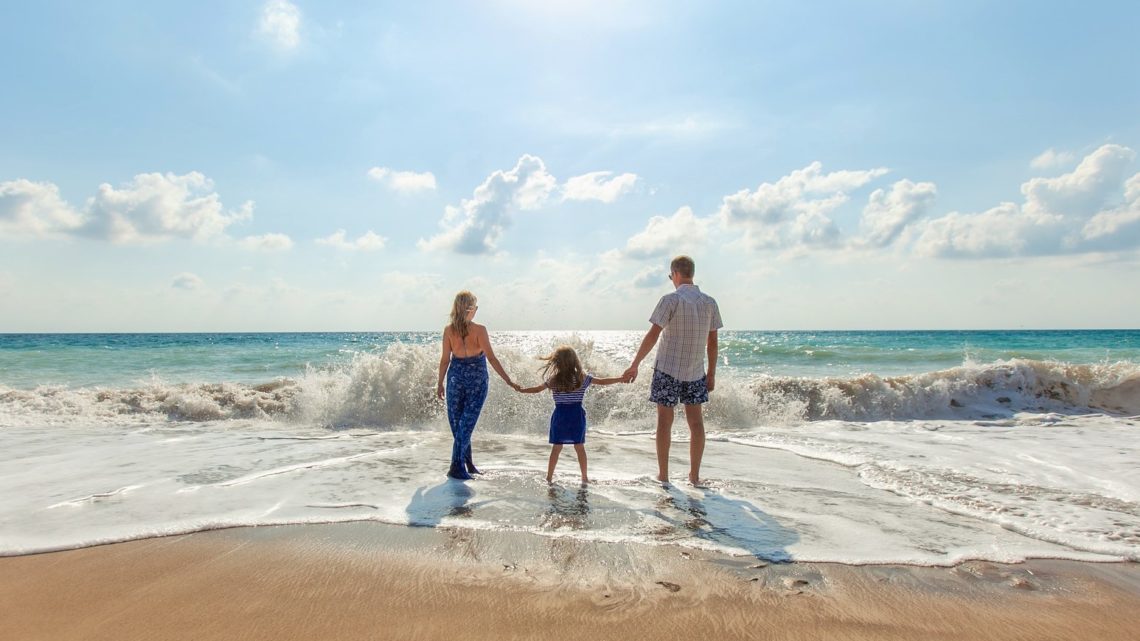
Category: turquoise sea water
<point>114,360</point>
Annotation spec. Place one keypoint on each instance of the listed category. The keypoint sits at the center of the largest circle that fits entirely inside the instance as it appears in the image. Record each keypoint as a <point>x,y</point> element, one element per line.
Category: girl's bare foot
<point>549,478</point>
<point>585,481</point>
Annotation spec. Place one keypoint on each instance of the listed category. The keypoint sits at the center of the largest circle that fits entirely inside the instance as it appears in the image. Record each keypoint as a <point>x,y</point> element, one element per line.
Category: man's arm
<point>647,344</point>
<point>713,350</point>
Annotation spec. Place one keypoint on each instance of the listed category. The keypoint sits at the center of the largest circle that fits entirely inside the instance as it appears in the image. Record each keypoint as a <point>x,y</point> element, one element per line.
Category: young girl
<point>564,377</point>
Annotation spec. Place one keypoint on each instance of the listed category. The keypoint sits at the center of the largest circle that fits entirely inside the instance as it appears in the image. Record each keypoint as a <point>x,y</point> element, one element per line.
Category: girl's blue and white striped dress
<point>568,423</point>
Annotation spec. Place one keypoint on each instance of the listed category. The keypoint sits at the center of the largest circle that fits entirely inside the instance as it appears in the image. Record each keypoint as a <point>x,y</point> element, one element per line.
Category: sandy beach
<point>372,581</point>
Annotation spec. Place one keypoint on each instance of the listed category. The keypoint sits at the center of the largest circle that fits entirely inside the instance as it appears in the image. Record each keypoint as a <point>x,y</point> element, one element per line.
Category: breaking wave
<point>395,389</point>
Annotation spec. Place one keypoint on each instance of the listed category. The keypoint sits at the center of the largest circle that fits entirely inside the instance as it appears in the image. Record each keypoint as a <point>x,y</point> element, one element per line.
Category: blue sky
<point>349,166</point>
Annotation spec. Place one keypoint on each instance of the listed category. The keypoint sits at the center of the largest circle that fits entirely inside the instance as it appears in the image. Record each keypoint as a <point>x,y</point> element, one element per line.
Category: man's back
<point>686,316</point>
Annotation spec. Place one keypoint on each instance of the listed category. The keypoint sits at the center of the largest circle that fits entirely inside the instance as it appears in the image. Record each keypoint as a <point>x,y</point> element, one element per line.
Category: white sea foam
<point>931,493</point>
<point>395,389</point>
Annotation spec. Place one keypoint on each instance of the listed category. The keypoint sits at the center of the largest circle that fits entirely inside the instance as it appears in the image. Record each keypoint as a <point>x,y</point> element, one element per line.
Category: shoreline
<point>369,580</point>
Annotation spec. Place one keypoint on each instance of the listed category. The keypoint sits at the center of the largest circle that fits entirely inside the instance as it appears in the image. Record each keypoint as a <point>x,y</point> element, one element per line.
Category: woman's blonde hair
<point>464,301</point>
<point>563,370</point>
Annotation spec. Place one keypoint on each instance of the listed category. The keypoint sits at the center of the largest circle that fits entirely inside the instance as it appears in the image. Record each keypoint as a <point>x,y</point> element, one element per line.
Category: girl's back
<point>576,396</point>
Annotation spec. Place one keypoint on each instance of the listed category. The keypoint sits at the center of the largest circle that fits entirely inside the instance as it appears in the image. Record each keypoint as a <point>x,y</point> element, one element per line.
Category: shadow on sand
<point>450,498</point>
<point>729,522</point>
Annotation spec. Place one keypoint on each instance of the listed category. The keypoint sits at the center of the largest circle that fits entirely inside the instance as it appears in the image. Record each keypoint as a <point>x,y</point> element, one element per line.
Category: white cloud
<point>474,227</point>
<point>403,181</point>
<point>267,242</point>
<point>1132,189</point>
<point>156,207</point>
<point>35,209</point>
<point>651,277</point>
<point>1087,209</point>
<point>578,272</point>
<point>680,233</point>
<point>776,202</point>
<point>1085,190</point>
<point>1052,159</point>
<point>280,23</point>
<point>368,241</point>
<point>888,212</point>
<point>1119,226</point>
<point>187,281</point>
<point>150,208</point>
<point>795,210</point>
<point>1001,231</point>
<point>596,186</point>
<point>813,228</point>
<point>1111,222</point>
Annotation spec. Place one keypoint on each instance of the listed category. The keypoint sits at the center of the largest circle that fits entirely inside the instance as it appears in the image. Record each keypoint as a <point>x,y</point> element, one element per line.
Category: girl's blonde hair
<point>464,301</point>
<point>563,370</point>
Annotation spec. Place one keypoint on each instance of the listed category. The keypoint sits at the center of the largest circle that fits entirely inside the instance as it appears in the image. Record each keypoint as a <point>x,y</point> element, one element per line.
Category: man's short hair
<point>684,266</point>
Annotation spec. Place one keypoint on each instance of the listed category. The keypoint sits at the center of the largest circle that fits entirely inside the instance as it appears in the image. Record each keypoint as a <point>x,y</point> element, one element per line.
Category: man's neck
<point>683,282</point>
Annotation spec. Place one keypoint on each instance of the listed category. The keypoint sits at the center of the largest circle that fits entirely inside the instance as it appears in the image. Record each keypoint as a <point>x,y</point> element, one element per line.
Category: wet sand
<point>372,581</point>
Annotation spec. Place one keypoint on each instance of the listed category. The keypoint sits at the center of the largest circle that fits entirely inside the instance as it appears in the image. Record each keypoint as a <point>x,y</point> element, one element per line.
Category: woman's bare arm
<point>485,340</point>
<point>444,362</point>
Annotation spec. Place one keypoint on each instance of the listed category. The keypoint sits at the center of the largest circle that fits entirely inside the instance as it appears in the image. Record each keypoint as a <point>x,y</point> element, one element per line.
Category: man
<point>687,322</point>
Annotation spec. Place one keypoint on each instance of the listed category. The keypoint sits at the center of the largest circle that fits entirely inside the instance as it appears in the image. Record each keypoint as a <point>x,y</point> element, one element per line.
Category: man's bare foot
<point>696,481</point>
<point>549,478</point>
<point>585,481</point>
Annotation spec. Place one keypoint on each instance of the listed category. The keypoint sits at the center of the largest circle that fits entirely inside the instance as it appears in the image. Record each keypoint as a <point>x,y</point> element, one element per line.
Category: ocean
<point>925,448</point>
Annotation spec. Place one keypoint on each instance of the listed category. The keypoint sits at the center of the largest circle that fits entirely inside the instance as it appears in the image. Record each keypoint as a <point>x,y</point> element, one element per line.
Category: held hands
<point>630,375</point>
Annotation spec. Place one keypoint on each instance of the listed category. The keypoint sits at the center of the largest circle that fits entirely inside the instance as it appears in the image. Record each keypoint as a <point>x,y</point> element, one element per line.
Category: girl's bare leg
<point>580,450</point>
<point>555,450</point>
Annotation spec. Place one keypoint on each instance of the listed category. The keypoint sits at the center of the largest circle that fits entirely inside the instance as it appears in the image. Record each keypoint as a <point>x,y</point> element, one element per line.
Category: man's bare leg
<point>696,422</point>
<point>664,440</point>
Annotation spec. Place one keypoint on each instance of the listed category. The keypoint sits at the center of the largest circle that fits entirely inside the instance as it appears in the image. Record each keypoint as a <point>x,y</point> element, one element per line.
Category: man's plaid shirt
<point>686,316</point>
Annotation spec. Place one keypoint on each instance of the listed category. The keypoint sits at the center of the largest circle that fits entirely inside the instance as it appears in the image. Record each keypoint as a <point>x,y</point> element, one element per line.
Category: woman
<point>466,352</point>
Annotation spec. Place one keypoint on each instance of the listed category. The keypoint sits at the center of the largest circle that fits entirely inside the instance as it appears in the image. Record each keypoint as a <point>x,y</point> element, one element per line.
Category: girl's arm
<point>531,390</point>
<point>485,339</point>
<point>606,381</point>
<point>444,361</point>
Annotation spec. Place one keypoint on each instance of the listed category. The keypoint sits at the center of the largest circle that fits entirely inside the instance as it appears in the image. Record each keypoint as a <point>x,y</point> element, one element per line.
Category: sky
<point>343,166</point>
